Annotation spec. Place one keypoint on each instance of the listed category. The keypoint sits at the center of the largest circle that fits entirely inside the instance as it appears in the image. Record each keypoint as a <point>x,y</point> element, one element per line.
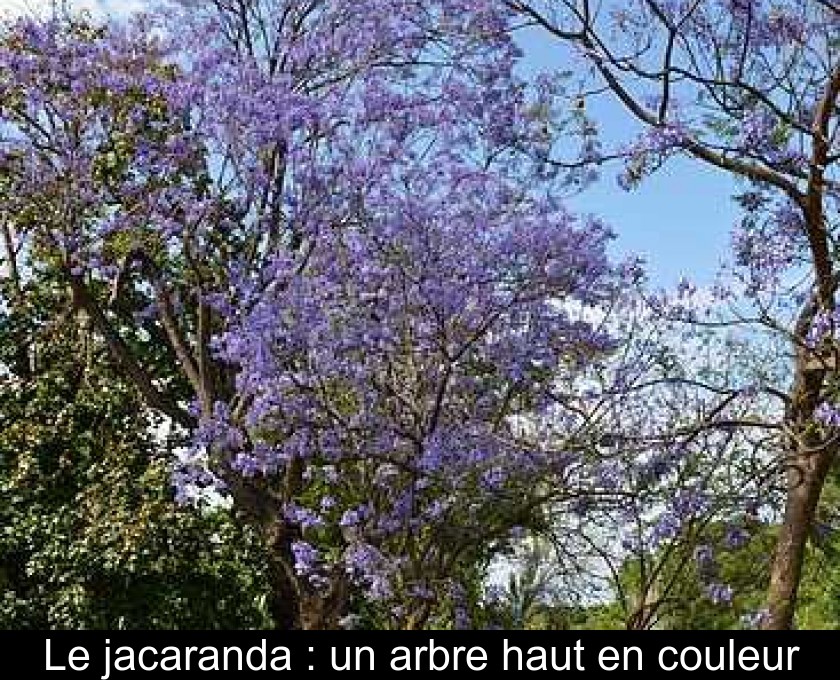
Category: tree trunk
<point>294,603</point>
<point>324,611</point>
<point>806,477</point>
<point>283,599</point>
<point>807,465</point>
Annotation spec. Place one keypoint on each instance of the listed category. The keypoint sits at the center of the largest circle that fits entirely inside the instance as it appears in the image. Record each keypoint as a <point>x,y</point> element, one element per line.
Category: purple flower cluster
<point>719,593</point>
<point>306,558</point>
<point>827,414</point>
<point>736,537</point>
<point>823,328</point>
<point>649,151</point>
<point>769,246</point>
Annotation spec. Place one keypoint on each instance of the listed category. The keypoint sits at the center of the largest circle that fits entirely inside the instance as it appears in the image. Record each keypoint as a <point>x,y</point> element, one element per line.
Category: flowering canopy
<point>358,289</point>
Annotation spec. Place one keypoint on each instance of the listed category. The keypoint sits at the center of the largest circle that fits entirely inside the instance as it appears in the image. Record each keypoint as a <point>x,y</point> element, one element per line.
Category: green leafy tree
<point>90,535</point>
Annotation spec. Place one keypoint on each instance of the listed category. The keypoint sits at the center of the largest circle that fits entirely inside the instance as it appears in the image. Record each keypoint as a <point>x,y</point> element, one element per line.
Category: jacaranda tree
<point>675,481</point>
<point>751,88</point>
<point>357,288</point>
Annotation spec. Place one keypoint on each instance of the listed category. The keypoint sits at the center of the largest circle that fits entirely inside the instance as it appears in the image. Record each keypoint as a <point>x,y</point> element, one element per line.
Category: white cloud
<point>123,6</point>
<point>99,7</point>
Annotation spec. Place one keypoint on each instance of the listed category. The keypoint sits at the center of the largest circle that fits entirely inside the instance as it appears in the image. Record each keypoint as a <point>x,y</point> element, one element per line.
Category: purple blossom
<point>493,478</point>
<point>304,517</point>
<point>719,593</point>
<point>422,592</point>
<point>668,526</point>
<point>827,414</point>
<point>755,620</point>
<point>689,503</point>
<point>704,556</point>
<point>372,307</point>
<point>353,517</point>
<point>736,538</point>
<point>823,328</point>
<point>306,557</point>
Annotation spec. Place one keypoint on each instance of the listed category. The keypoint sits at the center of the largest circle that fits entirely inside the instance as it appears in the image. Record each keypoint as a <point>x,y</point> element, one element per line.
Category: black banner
<point>108,655</point>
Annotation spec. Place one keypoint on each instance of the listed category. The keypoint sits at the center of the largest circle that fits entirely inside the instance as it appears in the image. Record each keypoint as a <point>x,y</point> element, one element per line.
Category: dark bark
<point>284,602</point>
<point>293,602</point>
<point>324,611</point>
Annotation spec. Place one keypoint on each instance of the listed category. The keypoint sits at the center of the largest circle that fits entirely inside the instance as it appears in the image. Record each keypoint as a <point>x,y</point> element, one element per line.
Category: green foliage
<point>90,536</point>
<point>745,570</point>
<point>818,606</point>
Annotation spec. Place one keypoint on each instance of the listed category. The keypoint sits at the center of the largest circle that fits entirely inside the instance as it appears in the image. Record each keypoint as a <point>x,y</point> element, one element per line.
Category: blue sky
<point>679,220</point>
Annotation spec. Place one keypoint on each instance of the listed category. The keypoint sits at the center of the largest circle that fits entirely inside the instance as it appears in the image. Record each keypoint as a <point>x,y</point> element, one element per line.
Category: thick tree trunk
<point>806,478</point>
<point>294,603</point>
<point>260,509</point>
<point>809,457</point>
<point>284,602</point>
<point>324,611</point>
